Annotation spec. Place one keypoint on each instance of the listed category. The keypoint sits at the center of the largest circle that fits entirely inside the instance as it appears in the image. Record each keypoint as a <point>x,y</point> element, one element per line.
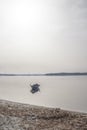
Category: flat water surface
<point>66,92</point>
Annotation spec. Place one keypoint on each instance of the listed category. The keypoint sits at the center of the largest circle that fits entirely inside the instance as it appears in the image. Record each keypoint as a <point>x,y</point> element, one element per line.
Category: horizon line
<point>45,74</point>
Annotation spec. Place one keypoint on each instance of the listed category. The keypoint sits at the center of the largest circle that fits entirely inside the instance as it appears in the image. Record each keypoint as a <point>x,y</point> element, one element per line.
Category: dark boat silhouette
<point>35,88</point>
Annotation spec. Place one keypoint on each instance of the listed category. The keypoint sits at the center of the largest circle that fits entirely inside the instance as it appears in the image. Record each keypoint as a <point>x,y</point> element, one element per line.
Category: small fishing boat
<point>34,88</point>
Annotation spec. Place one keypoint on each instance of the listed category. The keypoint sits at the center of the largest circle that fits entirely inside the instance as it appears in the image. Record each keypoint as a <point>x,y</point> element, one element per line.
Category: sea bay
<point>66,92</point>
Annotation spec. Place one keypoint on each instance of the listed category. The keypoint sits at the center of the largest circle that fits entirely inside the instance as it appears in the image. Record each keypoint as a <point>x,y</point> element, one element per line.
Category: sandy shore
<point>17,116</point>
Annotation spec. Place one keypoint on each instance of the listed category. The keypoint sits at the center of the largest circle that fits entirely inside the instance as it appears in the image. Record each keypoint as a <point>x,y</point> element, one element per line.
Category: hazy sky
<point>43,35</point>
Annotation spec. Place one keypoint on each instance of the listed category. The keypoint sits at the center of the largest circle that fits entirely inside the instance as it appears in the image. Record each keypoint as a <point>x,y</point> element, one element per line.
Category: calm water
<point>64,92</point>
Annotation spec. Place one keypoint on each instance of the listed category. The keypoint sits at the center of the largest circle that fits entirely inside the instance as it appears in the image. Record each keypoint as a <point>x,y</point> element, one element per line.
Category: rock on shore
<point>17,116</point>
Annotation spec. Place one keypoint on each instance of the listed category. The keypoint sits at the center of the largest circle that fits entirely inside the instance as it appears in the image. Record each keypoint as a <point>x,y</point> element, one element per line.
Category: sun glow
<point>27,17</point>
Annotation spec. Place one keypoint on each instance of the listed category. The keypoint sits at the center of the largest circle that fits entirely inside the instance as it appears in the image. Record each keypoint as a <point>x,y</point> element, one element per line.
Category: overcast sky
<point>43,35</point>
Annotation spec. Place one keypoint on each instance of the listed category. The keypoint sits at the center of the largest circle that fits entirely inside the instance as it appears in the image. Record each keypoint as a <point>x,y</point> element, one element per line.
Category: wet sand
<point>18,116</point>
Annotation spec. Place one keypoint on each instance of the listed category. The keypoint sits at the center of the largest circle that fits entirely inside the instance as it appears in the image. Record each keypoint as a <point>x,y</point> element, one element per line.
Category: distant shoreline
<point>67,74</point>
<point>45,74</point>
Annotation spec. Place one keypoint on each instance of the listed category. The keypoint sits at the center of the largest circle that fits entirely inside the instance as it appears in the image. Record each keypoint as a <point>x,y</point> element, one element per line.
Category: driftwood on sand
<point>17,116</point>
